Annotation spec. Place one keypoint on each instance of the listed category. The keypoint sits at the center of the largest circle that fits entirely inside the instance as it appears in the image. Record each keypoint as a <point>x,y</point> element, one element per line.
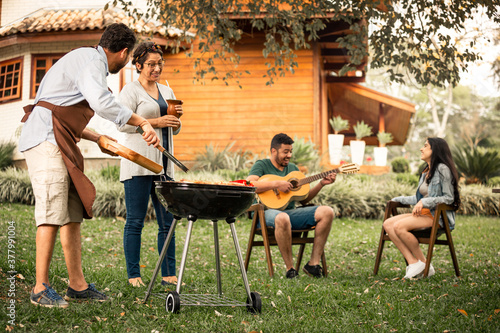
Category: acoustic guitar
<point>276,199</point>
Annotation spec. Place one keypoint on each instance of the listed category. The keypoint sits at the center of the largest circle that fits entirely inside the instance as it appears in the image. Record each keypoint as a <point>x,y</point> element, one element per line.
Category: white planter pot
<point>357,151</point>
<point>335,144</point>
<point>380,156</point>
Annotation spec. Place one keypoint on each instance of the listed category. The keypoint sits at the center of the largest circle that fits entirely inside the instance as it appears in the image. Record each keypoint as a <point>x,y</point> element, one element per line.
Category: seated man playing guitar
<point>284,221</point>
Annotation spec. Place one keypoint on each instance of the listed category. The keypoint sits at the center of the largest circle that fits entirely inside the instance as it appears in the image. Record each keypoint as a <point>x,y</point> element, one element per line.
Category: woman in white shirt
<point>147,98</point>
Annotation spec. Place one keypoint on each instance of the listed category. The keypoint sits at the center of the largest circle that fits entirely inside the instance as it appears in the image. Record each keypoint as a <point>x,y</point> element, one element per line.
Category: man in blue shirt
<point>284,221</point>
<point>69,94</point>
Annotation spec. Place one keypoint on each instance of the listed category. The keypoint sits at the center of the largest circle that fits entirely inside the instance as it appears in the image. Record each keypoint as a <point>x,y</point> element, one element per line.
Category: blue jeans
<point>137,193</point>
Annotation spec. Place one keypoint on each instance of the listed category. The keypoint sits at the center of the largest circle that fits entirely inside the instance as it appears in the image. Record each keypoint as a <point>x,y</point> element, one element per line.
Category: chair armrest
<point>255,207</point>
<point>443,206</point>
<point>394,204</point>
<point>391,208</point>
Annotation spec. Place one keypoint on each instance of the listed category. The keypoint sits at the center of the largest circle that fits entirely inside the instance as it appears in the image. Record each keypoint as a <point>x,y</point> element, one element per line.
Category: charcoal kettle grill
<point>211,202</point>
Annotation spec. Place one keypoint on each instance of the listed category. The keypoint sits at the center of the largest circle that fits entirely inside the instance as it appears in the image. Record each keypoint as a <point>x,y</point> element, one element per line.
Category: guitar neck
<point>322,175</point>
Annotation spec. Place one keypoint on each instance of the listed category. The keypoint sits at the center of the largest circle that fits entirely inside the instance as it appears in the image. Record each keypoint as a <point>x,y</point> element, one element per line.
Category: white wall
<point>12,112</point>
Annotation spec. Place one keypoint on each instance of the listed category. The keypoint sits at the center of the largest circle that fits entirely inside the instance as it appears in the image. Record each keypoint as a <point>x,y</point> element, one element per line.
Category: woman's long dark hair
<point>441,153</point>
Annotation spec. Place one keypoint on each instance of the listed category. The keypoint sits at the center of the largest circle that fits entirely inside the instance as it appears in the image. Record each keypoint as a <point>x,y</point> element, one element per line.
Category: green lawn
<point>349,299</point>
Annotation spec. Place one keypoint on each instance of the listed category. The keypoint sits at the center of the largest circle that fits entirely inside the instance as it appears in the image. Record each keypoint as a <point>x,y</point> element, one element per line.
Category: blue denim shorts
<point>300,218</point>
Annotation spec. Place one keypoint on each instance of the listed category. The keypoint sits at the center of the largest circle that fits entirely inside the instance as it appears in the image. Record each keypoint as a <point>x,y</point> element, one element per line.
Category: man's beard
<point>283,162</point>
<point>117,68</point>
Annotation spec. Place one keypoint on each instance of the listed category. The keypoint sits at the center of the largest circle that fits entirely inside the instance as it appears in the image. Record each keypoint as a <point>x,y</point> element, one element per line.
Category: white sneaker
<point>432,271</point>
<point>414,269</point>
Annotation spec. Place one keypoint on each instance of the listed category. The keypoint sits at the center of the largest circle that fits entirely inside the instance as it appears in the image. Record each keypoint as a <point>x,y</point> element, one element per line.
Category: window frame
<point>34,58</point>
<point>128,74</point>
<point>19,95</point>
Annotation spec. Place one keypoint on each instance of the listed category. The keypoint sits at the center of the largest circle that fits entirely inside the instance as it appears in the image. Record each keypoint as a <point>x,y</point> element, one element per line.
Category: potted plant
<point>361,129</point>
<point>381,151</point>
<point>336,140</point>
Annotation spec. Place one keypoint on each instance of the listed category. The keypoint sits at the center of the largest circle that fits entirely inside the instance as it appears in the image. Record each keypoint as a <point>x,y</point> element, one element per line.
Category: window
<point>10,79</point>
<point>128,74</point>
<point>40,65</point>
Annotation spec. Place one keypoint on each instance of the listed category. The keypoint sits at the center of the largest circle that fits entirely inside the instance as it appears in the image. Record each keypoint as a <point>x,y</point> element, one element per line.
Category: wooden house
<point>298,104</point>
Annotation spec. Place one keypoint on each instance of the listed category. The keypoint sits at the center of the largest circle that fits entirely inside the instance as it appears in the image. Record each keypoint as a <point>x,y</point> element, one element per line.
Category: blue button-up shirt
<point>440,191</point>
<point>79,75</point>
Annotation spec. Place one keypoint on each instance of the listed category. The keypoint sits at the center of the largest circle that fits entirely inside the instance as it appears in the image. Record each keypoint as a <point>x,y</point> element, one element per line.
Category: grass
<point>350,299</point>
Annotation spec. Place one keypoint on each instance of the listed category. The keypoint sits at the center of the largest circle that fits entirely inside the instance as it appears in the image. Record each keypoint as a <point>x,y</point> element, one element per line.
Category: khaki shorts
<point>56,199</point>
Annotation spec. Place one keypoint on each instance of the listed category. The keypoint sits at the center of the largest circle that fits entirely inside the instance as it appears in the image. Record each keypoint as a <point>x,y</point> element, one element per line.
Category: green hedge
<point>15,186</point>
<point>355,196</point>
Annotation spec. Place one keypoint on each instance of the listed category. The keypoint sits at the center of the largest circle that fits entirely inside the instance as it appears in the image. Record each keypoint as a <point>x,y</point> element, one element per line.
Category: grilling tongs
<point>166,153</point>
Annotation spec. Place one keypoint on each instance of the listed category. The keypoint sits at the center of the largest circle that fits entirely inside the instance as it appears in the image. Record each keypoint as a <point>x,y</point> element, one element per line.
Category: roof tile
<point>51,20</point>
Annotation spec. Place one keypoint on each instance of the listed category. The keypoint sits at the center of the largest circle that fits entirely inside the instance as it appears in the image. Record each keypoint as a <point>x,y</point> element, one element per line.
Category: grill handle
<point>230,194</point>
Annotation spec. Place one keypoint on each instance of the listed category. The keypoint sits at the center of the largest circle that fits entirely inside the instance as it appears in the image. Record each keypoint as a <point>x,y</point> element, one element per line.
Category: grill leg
<point>191,220</point>
<point>162,256</point>
<point>240,257</point>
<point>217,257</point>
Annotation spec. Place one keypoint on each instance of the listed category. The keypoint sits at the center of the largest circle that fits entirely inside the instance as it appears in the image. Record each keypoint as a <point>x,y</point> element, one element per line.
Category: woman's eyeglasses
<point>154,64</point>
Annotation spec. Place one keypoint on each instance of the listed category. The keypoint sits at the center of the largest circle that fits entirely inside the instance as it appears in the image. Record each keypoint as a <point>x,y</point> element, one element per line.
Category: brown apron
<point>69,123</point>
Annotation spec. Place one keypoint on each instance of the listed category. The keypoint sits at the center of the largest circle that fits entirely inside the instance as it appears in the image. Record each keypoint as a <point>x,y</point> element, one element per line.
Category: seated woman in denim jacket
<point>438,184</point>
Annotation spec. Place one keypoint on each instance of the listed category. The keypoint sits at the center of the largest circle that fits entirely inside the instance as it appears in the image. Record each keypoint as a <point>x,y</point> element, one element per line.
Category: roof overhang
<point>69,24</point>
<point>383,112</point>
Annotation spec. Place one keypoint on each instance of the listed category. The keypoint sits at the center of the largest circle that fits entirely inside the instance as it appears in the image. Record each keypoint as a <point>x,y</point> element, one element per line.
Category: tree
<point>409,36</point>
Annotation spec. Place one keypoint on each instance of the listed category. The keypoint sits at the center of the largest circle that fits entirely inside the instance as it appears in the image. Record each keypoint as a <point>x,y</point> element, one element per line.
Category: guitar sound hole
<point>295,183</point>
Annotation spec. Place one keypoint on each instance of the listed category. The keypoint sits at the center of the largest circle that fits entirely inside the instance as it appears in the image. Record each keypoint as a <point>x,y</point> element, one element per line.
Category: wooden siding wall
<point>219,115</point>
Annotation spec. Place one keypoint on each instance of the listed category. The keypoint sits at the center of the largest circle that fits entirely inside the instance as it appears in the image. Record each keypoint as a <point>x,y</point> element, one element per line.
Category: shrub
<point>494,182</point>
<point>421,168</point>
<point>228,175</point>
<point>408,178</point>
<point>478,200</point>
<point>6,154</point>
<point>476,165</point>
<point>213,159</point>
<point>361,195</point>
<point>306,154</point>
<point>355,196</point>
<point>111,172</point>
<point>15,186</point>
<point>110,197</point>
<point>400,165</point>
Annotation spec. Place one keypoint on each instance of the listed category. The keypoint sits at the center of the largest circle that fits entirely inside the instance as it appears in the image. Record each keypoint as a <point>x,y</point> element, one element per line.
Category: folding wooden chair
<point>299,237</point>
<point>424,235</point>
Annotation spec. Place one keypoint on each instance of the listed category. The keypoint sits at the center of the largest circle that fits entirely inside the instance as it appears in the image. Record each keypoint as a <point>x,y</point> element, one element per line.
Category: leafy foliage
<point>361,129</point>
<point>400,165</point>
<point>408,178</point>
<point>111,172</point>
<point>213,159</point>
<point>6,154</point>
<point>348,197</point>
<point>478,200</point>
<point>405,36</point>
<point>494,182</point>
<point>476,165</point>
<point>15,186</point>
<point>384,138</point>
<point>305,154</point>
<point>338,124</point>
